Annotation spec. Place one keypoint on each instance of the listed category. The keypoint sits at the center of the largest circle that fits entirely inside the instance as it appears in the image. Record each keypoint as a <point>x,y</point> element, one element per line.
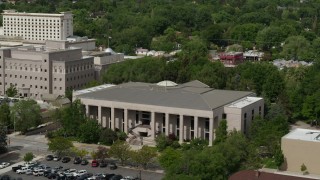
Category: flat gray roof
<point>304,135</point>
<point>199,96</point>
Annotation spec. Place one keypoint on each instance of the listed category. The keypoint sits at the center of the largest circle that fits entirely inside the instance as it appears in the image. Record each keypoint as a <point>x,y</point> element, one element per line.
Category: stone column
<point>153,125</point>
<point>125,119</point>
<point>210,131</point>
<point>87,110</point>
<point>112,118</point>
<point>195,128</point>
<point>99,116</point>
<point>181,129</point>
<point>167,123</point>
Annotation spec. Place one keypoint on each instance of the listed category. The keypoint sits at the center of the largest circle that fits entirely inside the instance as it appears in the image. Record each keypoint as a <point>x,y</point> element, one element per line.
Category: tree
<point>25,114</point>
<point>60,146</point>
<point>279,158</point>
<point>89,131</point>
<point>28,157</point>
<point>3,139</point>
<point>107,136</point>
<point>102,153</point>
<point>79,152</point>
<point>221,132</point>
<point>5,115</point>
<point>120,150</point>
<point>72,118</point>
<point>297,48</point>
<point>144,156</point>
<point>169,157</point>
<point>11,91</point>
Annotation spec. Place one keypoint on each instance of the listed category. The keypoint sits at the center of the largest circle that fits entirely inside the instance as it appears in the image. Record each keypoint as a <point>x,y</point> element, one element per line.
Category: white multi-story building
<point>37,26</point>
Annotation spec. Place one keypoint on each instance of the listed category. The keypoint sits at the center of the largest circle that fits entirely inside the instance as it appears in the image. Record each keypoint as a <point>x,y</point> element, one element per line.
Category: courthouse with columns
<point>190,110</point>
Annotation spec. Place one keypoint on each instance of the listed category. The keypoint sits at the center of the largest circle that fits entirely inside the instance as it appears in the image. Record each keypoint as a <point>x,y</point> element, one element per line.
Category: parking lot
<point>146,175</point>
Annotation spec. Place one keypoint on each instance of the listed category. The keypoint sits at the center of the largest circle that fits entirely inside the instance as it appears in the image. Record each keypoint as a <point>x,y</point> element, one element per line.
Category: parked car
<point>29,172</point>
<point>5,177</point>
<point>79,173</point>
<point>108,176</point>
<point>4,165</point>
<point>113,166</point>
<point>103,164</point>
<point>22,170</point>
<point>52,175</point>
<point>94,163</point>
<point>65,159</point>
<point>49,157</point>
<point>84,176</point>
<point>15,168</point>
<point>56,158</point>
<point>84,162</point>
<point>116,177</point>
<point>77,160</point>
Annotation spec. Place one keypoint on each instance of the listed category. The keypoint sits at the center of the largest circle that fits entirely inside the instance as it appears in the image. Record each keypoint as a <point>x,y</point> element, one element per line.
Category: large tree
<point>144,156</point>
<point>5,115</point>
<point>89,131</point>
<point>25,114</point>
<point>73,117</point>
<point>60,146</point>
<point>3,139</point>
<point>11,91</point>
<point>120,150</point>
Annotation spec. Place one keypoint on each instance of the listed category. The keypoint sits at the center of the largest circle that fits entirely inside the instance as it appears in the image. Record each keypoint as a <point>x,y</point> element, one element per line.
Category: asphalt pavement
<point>37,144</point>
<point>145,175</point>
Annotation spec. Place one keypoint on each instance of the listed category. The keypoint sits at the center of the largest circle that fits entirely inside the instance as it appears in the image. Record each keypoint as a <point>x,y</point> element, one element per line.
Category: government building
<point>52,68</point>
<point>37,26</point>
<point>190,110</point>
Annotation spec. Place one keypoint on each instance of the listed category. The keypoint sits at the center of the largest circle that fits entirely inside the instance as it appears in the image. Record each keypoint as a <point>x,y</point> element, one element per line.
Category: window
<point>137,117</point>
<point>207,124</point>
<point>192,125</point>
<point>224,116</point>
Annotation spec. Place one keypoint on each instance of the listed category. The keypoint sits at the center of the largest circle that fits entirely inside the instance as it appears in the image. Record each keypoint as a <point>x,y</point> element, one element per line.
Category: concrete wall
<point>297,152</point>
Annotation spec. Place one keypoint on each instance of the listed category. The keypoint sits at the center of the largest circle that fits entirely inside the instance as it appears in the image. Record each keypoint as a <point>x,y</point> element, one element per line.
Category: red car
<point>94,163</point>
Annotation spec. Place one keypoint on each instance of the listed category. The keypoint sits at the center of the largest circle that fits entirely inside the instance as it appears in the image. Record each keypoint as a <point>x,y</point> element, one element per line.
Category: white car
<point>70,172</point>
<point>127,178</point>
<point>4,165</point>
<point>22,170</point>
<point>79,173</point>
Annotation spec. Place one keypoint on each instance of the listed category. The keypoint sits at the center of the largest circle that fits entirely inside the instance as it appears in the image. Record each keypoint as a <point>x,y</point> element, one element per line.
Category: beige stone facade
<point>50,69</point>
<point>37,26</point>
<point>190,110</point>
<point>301,146</point>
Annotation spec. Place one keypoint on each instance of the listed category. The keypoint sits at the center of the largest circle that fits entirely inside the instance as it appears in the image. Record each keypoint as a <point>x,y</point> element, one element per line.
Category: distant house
<point>231,59</point>
<point>141,52</point>
<point>253,55</point>
<point>151,53</point>
<point>159,53</point>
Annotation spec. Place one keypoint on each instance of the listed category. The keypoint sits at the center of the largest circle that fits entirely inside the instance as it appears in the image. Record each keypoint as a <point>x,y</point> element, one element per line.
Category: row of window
<point>31,19</point>
<point>26,68</point>
<point>32,28</point>
<point>7,23</point>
